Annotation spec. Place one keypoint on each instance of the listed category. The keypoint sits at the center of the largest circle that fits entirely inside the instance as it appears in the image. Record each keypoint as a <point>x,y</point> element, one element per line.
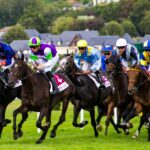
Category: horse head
<point>114,64</point>
<point>136,76</point>
<point>66,64</point>
<point>17,70</point>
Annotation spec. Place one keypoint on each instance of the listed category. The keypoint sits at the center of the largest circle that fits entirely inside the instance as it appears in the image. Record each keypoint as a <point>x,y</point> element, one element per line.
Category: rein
<point>27,76</point>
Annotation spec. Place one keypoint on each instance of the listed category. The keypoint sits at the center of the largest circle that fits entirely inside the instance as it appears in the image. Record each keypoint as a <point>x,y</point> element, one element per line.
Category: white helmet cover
<point>121,42</point>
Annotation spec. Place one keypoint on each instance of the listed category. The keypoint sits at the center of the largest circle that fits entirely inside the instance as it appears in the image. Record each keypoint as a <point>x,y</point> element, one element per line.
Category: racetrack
<point>69,137</point>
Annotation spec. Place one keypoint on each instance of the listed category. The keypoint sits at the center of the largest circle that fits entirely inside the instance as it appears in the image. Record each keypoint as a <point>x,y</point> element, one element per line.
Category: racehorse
<point>36,97</point>
<point>7,95</point>
<point>87,94</point>
<point>137,76</point>
<point>119,78</point>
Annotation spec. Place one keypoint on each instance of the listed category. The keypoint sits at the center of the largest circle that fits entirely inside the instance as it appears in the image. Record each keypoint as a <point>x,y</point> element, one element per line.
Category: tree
<point>33,18</point>
<point>112,28</point>
<point>145,23</point>
<point>15,33</point>
<point>61,24</point>
<point>137,14</point>
<point>129,27</point>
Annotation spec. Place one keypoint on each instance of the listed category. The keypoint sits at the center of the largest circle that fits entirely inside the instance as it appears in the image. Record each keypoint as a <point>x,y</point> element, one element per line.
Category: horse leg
<point>135,110</point>
<point>62,117</point>
<point>44,128</point>
<point>109,115</point>
<point>24,118</point>
<point>148,129</point>
<point>114,125</point>
<point>100,115</point>
<point>2,117</point>
<point>16,111</point>
<point>93,122</point>
<point>75,117</point>
<point>142,121</point>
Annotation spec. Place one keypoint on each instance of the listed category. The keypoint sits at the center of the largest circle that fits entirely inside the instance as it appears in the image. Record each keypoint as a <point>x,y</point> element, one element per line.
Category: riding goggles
<point>121,47</point>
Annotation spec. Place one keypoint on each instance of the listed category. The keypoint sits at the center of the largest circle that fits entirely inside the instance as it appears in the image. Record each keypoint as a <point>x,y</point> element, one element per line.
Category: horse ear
<point>71,55</point>
<point>19,55</point>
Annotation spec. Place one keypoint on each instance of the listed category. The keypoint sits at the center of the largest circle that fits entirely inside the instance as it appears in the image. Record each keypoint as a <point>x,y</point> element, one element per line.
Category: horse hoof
<point>39,141</point>
<point>85,123</point>
<point>96,134</point>
<point>15,136</point>
<point>130,125</point>
<point>99,127</point>
<point>20,134</point>
<point>118,131</point>
<point>126,132</point>
<point>134,136</point>
<point>53,134</point>
<point>7,121</point>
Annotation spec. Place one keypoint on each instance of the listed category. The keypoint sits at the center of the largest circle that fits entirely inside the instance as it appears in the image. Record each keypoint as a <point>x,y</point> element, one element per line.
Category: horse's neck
<point>28,78</point>
<point>120,80</point>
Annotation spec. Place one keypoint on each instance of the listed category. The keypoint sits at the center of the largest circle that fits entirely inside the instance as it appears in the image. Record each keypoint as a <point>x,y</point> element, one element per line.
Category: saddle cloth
<point>104,80</point>
<point>61,83</point>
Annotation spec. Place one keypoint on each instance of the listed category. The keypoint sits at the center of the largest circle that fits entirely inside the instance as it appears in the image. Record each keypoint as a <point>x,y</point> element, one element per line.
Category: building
<point>95,2</point>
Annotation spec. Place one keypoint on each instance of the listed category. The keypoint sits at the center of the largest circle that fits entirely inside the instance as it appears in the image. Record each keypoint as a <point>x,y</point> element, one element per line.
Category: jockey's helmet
<point>121,42</point>
<point>82,43</point>
<point>107,48</point>
<point>146,45</point>
<point>34,41</point>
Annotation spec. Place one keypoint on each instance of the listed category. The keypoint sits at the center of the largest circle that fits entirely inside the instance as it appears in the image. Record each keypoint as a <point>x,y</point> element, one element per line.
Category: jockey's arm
<point>135,56</point>
<point>77,61</point>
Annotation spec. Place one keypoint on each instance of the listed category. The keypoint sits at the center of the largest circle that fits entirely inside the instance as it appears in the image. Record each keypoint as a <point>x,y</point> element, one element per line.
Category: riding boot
<point>51,78</point>
<point>98,75</point>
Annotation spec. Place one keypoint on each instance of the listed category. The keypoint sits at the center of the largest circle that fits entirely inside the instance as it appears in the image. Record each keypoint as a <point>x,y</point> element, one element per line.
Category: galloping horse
<point>119,78</point>
<point>36,97</point>
<point>138,77</point>
<point>7,95</point>
<point>87,94</point>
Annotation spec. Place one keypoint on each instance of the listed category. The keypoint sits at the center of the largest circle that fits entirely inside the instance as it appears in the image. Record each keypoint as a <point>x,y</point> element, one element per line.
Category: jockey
<point>44,56</point>
<point>107,52</point>
<point>145,57</point>
<point>128,53</point>
<point>6,60</point>
<point>88,59</point>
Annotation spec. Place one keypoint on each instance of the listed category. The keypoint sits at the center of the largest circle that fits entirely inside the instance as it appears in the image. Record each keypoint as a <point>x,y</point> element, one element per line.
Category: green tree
<point>145,23</point>
<point>137,14</point>
<point>129,27</point>
<point>15,33</point>
<point>112,28</point>
<point>33,18</point>
<point>61,24</point>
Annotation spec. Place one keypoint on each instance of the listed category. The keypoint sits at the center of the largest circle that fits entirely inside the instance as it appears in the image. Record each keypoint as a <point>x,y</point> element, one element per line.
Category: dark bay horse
<point>36,97</point>
<point>87,95</point>
<point>7,95</point>
<point>119,78</point>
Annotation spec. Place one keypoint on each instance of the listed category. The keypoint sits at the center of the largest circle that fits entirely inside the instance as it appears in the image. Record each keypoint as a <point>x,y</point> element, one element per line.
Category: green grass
<point>68,137</point>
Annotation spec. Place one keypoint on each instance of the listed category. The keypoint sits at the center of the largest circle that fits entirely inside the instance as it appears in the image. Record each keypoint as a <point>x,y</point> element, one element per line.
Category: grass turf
<point>69,137</point>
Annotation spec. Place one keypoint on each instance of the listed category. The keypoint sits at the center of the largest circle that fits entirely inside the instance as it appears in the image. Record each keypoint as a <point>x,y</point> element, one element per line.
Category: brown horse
<point>36,97</point>
<point>121,99</point>
<point>137,77</point>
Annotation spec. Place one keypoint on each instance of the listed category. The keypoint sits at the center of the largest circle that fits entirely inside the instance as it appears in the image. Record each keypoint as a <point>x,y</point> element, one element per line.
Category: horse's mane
<point>138,67</point>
